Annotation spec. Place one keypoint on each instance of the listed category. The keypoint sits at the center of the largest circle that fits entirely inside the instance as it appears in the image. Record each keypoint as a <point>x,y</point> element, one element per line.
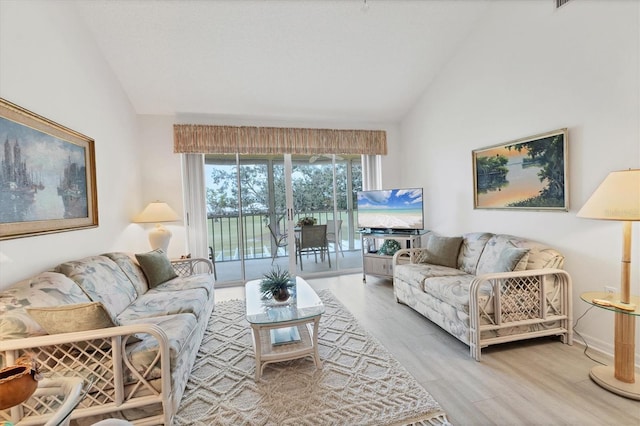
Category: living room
<point>523,68</point>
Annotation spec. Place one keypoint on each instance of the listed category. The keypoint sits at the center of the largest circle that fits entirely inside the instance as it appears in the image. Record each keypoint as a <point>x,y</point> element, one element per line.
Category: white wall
<point>527,69</point>
<point>49,65</point>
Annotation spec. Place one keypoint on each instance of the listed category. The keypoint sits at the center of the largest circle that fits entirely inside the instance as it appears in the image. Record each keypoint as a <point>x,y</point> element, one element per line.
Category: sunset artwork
<point>524,174</point>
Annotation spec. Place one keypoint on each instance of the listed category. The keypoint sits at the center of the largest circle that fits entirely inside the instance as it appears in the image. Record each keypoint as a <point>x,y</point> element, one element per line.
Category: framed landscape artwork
<point>525,174</point>
<point>47,176</point>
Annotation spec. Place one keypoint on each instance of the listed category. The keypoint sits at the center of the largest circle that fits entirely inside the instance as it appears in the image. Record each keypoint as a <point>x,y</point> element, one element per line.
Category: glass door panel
<point>223,208</point>
<point>312,184</point>
<point>277,214</point>
<point>256,239</point>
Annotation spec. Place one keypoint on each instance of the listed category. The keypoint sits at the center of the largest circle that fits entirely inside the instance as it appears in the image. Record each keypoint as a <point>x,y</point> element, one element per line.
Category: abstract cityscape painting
<point>47,175</point>
<point>526,174</point>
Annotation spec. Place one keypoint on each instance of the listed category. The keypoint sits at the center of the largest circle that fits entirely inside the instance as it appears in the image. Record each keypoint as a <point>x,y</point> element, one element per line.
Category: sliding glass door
<point>252,226</point>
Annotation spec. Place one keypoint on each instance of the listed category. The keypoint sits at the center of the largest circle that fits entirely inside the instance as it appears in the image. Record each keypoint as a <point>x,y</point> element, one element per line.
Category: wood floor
<point>541,382</point>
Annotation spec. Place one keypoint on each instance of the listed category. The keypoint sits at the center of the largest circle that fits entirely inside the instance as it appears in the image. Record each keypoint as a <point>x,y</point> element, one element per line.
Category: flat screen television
<point>390,210</point>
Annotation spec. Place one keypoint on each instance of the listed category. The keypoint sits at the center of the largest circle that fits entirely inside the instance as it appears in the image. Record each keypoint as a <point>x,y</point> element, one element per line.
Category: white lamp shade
<point>157,212</point>
<point>617,198</point>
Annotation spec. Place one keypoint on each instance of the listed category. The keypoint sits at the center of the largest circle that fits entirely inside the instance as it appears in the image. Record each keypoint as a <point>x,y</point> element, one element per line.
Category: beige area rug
<point>360,383</point>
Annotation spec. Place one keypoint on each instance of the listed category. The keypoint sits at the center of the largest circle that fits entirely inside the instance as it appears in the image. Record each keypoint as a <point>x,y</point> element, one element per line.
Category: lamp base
<point>603,375</point>
<point>159,238</point>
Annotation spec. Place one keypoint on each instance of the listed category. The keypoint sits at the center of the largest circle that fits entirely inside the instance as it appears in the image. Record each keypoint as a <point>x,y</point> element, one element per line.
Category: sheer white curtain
<point>195,196</point>
<point>371,176</point>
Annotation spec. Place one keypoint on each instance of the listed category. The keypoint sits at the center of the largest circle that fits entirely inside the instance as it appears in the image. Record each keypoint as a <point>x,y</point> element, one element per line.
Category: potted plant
<point>307,220</point>
<point>276,283</point>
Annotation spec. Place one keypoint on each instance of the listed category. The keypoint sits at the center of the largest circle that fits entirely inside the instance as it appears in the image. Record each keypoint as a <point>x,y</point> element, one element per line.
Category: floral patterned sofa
<point>486,288</point>
<point>130,327</point>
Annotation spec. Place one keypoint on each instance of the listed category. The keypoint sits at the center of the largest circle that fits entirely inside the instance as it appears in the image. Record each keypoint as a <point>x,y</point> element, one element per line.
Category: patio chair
<point>279,239</point>
<point>312,239</point>
<point>334,237</point>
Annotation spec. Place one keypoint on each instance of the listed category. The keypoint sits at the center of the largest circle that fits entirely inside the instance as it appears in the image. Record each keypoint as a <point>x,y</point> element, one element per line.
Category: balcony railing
<point>224,233</point>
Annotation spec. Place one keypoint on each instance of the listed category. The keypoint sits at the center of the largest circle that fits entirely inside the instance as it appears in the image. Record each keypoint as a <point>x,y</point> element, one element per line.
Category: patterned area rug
<point>360,383</point>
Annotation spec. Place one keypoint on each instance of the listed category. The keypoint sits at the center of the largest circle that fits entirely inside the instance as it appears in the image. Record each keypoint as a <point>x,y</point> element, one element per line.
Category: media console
<point>380,264</point>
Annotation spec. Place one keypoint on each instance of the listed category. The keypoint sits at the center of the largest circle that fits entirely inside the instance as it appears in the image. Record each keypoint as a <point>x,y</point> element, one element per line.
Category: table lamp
<point>157,212</point>
<point>618,198</point>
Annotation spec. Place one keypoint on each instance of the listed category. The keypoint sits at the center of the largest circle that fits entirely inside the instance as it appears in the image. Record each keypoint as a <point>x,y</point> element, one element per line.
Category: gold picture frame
<point>525,174</point>
<point>47,176</point>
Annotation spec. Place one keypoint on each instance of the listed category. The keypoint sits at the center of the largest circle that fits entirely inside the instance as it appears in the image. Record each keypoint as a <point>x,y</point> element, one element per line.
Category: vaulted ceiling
<point>340,60</point>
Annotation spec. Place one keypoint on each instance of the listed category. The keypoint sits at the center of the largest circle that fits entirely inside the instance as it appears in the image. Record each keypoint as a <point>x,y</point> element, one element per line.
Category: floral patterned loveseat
<point>486,288</point>
<point>130,328</point>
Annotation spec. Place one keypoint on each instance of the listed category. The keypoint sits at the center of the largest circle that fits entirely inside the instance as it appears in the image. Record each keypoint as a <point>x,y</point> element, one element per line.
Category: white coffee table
<point>284,331</point>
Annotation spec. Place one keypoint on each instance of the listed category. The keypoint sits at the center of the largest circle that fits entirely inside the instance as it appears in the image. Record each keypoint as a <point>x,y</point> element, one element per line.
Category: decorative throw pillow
<point>441,251</point>
<point>512,259</point>
<point>71,318</point>
<point>389,247</point>
<point>156,267</point>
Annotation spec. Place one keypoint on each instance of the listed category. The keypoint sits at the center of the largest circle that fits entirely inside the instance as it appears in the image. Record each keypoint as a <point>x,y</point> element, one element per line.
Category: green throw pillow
<point>71,318</point>
<point>441,251</point>
<point>156,267</point>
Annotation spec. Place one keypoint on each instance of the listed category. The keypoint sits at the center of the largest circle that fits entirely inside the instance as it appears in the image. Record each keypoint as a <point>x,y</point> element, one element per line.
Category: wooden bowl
<point>17,384</point>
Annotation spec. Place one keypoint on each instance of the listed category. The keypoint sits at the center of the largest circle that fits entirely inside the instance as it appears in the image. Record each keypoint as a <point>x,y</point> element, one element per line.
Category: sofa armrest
<point>99,357</point>
<point>520,298</point>
<point>191,266</point>
<point>407,254</point>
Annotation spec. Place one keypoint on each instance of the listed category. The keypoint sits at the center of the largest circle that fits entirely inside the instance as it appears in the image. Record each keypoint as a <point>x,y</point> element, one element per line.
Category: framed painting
<point>47,176</point>
<point>525,174</point>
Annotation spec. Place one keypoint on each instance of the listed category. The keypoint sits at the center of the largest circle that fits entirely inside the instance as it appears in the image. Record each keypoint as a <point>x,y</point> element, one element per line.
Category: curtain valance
<point>209,139</point>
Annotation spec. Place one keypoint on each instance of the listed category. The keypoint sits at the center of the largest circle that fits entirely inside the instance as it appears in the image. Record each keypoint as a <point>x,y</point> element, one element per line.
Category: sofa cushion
<point>512,259</point>
<point>544,257</point>
<point>471,250</point>
<point>202,281</point>
<point>488,262</point>
<point>102,280</point>
<point>131,268</point>
<point>414,274</point>
<point>156,267</point>
<point>71,318</point>
<point>180,330</point>
<point>441,251</point>
<point>44,289</point>
<point>156,303</point>
<point>540,256</point>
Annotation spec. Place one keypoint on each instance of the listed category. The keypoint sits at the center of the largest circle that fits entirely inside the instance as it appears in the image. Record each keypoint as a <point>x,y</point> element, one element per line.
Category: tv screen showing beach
<point>390,209</point>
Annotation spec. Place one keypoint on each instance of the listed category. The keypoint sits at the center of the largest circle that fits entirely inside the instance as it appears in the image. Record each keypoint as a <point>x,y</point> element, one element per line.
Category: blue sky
<point>393,198</point>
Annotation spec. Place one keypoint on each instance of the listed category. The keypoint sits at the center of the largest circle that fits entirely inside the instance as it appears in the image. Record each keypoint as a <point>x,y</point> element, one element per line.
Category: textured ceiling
<point>322,60</point>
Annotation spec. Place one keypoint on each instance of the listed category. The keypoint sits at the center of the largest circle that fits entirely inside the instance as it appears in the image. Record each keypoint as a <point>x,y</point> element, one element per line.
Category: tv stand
<point>379,264</point>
